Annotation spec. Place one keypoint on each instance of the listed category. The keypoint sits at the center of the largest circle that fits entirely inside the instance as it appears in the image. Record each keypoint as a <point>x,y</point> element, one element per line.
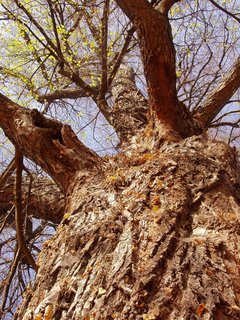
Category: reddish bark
<point>155,235</point>
<point>47,142</point>
<point>46,200</point>
<point>158,55</point>
<point>217,98</point>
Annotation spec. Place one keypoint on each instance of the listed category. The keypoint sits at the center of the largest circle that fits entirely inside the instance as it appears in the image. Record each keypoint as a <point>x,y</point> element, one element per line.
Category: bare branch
<point>64,94</point>
<point>19,220</point>
<point>104,43</point>
<point>218,98</point>
<point>58,47</point>
<point>7,173</point>
<point>225,10</point>
<point>9,278</point>
<point>74,76</point>
<point>101,103</point>
<point>119,57</point>
<point>222,124</point>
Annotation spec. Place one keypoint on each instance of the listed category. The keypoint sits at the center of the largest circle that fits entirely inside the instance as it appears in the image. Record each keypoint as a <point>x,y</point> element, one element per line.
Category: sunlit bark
<point>156,237</point>
<point>151,233</point>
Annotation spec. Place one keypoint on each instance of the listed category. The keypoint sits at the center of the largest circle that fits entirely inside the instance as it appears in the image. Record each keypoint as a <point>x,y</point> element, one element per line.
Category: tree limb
<point>9,278</point>
<point>74,76</point>
<point>222,124</point>
<point>48,143</point>
<point>104,47</point>
<point>158,55</point>
<point>37,25</point>
<point>217,99</point>
<point>46,201</point>
<point>64,94</point>
<point>116,62</point>
<point>130,107</point>
<point>101,103</point>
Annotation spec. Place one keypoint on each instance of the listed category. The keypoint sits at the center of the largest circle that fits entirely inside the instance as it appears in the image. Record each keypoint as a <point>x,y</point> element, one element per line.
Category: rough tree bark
<point>156,236</point>
<point>152,233</point>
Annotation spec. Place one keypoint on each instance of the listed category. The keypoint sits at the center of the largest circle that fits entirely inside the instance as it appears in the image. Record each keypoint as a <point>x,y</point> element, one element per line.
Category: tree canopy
<point>54,53</point>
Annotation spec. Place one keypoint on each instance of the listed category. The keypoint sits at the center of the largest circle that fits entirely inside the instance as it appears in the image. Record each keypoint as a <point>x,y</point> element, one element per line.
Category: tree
<point>149,233</point>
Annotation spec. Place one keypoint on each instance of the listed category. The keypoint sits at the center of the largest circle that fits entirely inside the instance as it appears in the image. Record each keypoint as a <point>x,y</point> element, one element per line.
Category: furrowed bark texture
<point>130,111</point>
<point>156,236</point>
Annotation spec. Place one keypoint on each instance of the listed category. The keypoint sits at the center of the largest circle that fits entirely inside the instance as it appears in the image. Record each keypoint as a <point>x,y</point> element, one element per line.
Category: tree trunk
<point>156,236</point>
<point>154,232</point>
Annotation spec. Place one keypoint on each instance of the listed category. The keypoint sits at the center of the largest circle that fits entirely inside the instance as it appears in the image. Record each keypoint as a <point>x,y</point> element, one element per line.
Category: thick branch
<point>63,94</point>
<point>46,200</point>
<point>48,143</point>
<point>217,99</point>
<point>130,106</point>
<point>158,56</point>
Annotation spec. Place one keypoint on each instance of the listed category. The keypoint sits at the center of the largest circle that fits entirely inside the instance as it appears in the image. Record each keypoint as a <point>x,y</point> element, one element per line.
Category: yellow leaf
<point>66,216</point>
<point>101,291</point>
<point>155,208</point>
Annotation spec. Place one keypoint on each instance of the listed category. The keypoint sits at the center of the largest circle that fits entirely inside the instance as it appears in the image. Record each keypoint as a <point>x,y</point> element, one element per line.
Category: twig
<point>6,219</point>
<point>225,10</point>
<point>27,220</point>
<point>7,173</point>
<point>104,43</point>
<point>9,278</point>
